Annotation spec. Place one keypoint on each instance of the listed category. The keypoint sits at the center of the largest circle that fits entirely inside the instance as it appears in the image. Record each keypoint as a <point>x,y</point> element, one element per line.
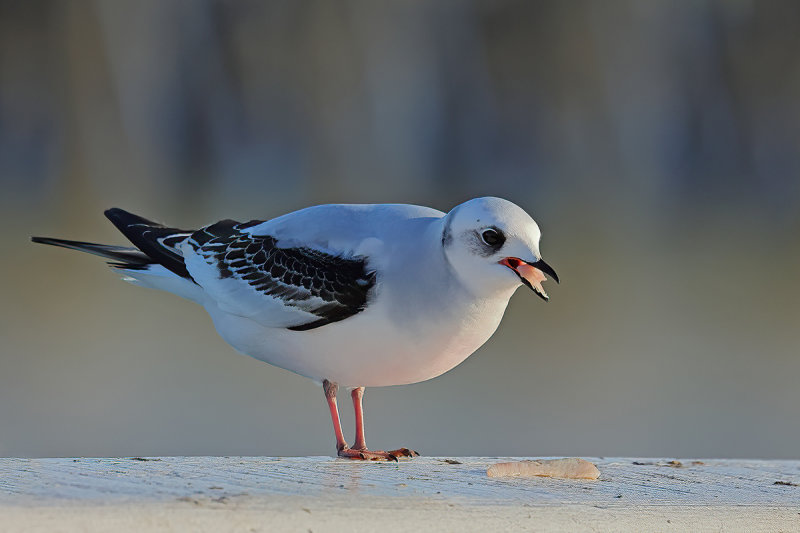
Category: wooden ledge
<point>435,494</point>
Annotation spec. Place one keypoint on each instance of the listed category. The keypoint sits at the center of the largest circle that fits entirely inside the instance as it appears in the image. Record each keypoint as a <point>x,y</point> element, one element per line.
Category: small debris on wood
<point>677,464</point>
<point>568,468</point>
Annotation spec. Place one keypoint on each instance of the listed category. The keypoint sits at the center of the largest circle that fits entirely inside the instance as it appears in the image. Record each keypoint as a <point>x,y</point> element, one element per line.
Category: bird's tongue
<point>534,276</point>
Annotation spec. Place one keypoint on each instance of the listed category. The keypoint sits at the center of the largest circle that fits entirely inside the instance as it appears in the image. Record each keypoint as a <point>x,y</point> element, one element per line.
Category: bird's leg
<point>358,394</point>
<point>359,449</point>
<point>342,449</point>
<point>330,395</point>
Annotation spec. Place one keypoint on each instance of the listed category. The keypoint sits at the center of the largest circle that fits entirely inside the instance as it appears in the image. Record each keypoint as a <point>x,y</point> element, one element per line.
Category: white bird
<point>357,295</point>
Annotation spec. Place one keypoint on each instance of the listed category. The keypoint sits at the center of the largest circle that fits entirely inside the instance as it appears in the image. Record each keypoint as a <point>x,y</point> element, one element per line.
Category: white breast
<point>377,347</point>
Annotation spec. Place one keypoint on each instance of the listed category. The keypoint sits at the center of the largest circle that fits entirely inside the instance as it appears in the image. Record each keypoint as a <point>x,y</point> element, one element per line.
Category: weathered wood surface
<point>440,494</point>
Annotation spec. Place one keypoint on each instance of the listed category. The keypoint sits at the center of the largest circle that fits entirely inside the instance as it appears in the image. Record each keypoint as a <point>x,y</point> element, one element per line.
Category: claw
<point>404,452</point>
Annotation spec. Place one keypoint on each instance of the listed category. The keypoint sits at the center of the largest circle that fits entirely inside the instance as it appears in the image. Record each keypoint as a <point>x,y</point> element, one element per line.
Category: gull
<point>358,295</point>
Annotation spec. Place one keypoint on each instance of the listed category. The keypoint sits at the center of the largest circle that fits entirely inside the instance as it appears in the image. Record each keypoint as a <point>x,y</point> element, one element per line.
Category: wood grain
<point>138,493</point>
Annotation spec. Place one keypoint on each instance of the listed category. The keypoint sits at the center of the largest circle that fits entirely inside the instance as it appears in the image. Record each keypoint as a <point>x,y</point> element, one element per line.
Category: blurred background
<point>657,143</point>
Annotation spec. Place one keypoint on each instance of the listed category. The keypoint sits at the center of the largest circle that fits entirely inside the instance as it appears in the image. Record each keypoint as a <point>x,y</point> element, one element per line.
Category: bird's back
<point>341,228</point>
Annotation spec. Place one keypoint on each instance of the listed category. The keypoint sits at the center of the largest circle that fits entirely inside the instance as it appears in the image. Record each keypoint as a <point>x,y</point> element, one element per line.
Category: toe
<point>404,452</point>
<point>377,455</point>
<point>366,455</point>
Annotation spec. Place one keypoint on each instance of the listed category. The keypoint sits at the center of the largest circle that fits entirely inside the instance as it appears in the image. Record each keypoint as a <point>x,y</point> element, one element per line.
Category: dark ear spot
<point>479,245</point>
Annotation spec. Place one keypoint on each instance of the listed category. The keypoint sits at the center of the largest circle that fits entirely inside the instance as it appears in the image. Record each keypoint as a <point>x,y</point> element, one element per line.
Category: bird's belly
<point>364,350</point>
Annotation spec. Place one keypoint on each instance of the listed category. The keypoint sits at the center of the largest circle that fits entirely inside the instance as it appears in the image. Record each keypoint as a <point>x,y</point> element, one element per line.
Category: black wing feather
<point>295,275</point>
<point>148,236</point>
<point>328,286</point>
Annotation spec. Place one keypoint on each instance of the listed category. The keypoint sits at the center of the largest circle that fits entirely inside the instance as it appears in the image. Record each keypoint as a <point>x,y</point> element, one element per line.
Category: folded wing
<point>298,288</point>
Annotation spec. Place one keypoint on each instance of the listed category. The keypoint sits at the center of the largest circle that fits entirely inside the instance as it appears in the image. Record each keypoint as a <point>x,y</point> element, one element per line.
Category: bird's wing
<point>298,288</point>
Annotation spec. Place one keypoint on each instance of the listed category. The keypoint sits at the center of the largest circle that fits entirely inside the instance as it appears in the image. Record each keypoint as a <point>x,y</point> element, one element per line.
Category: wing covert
<point>299,288</point>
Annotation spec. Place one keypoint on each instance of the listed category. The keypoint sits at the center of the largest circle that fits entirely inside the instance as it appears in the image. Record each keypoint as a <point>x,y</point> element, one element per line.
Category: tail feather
<point>122,256</point>
<point>154,244</point>
<point>155,262</point>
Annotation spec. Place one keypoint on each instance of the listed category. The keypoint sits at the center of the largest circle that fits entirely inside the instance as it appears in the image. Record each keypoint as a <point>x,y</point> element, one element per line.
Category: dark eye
<point>493,238</point>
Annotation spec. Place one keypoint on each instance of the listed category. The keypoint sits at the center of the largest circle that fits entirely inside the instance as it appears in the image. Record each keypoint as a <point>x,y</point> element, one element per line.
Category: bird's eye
<point>492,237</point>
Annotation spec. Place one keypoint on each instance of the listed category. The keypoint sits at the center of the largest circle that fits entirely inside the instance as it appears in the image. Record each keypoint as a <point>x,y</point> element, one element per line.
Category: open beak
<point>531,274</point>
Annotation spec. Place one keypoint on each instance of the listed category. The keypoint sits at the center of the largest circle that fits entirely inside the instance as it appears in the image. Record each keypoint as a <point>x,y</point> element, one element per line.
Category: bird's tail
<point>154,244</point>
<point>155,260</point>
<point>120,256</point>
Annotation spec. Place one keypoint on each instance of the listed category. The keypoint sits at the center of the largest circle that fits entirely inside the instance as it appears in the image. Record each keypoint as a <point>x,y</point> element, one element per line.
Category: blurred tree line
<point>654,103</point>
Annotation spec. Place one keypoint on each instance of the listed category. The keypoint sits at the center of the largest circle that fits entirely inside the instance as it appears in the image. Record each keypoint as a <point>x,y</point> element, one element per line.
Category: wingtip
<point>120,217</point>
<point>113,212</point>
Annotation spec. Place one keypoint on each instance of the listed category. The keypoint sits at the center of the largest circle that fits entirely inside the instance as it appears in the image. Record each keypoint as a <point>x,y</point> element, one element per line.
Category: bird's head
<point>493,246</point>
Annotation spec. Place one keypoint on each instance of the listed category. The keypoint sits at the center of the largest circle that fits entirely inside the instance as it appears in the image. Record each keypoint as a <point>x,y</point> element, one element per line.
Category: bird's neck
<point>459,292</point>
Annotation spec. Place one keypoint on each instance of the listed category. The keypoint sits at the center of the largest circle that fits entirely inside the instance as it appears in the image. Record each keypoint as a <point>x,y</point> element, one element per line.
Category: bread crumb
<point>568,468</point>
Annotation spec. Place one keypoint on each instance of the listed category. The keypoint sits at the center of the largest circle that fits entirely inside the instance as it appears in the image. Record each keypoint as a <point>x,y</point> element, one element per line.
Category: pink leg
<point>359,450</point>
<point>358,395</point>
<point>330,395</point>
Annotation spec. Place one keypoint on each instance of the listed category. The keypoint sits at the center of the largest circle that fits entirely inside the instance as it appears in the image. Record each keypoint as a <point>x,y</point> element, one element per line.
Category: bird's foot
<point>376,455</point>
<point>404,452</point>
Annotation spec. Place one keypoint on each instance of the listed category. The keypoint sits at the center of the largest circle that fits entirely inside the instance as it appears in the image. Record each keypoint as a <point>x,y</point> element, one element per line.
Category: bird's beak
<point>531,274</point>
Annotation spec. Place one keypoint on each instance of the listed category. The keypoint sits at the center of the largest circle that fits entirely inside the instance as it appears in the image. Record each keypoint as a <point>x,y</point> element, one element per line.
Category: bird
<point>351,295</point>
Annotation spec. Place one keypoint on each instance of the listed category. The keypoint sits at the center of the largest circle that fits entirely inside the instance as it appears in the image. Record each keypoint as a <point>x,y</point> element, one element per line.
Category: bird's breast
<point>394,341</point>
<point>379,347</point>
